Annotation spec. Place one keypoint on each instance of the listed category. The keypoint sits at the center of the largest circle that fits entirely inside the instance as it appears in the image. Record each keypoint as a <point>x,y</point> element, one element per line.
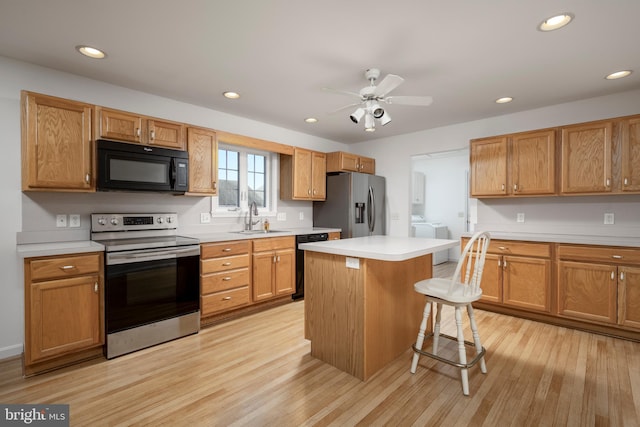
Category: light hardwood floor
<point>257,371</point>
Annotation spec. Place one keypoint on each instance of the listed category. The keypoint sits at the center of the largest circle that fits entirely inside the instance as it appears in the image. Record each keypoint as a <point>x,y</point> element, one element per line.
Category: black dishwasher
<point>304,238</point>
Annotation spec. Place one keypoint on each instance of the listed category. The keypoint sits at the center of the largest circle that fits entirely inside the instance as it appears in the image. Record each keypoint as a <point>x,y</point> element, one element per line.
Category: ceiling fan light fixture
<point>377,111</point>
<point>385,118</point>
<point>369,123</point>
<point>556,22</point>
<point>357,115</point>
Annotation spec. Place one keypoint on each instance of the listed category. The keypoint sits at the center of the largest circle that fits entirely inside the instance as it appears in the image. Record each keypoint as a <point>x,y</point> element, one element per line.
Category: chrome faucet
<point>253,210</point>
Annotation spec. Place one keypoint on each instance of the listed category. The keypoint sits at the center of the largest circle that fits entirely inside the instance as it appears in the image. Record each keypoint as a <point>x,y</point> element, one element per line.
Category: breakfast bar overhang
<point>361,311</point>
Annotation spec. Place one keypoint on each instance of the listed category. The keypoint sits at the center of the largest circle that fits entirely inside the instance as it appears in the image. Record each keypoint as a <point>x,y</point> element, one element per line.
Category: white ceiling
<point>279,54</point>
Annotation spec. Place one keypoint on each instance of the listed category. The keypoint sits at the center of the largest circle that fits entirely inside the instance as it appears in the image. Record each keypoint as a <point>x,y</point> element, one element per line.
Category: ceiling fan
<point>371,96</point>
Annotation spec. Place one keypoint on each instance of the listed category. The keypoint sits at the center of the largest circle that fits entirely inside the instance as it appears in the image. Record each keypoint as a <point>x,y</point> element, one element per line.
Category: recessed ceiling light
<point>618,75</point>
<point>231,95</point>
<point>504,100</point>
<point>311,120</point>
<point>91,52</point>
<point>555,22</point>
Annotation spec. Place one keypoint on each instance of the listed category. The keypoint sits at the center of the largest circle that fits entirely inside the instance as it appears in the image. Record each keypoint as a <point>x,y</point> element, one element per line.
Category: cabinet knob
<point>621,275</point>
<point>226,250</point>
<point>626,181</point>
<point>613,275</point>
<point>214,185</point>
<point>138,132</point>
<point>616,256</point>
<point>226,264</point>
<point>67,267</point>
<point>503,248</point>
<point>87,178</point>
<point>309,191</point>
<point>152,135</point>
<point>515,187</point>
<point>502,187</point>
<point>226,298</point>
<point>95,287</point>
<point>226,279</point>
<point>608,182</point>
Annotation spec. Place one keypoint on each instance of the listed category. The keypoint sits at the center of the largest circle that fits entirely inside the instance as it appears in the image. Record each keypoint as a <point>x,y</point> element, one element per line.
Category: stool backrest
<point>472,258</point>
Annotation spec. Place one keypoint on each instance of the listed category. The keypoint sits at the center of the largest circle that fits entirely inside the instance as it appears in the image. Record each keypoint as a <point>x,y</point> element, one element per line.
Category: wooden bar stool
<point>459,294</point>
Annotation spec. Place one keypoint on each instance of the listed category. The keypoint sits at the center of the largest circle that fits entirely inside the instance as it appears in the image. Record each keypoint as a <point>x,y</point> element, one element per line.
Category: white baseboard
<point>10,351</point>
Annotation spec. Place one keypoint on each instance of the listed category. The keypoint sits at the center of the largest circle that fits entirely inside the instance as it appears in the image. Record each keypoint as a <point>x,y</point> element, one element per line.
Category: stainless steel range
<point>152,280</point>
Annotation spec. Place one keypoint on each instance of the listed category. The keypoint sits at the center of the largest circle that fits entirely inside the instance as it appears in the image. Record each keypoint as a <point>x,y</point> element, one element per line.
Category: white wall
<point>24,214</point>
<point>393,160</point>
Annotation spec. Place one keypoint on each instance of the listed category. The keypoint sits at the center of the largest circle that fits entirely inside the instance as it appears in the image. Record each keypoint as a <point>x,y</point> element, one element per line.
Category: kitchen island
<point>361,311</point>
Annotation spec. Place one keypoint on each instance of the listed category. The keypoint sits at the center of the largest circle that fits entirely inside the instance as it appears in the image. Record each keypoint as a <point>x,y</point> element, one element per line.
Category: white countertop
<point>384,248</point>
<point>226,236</point>
<point>58,248</point>
<point>565,238</point>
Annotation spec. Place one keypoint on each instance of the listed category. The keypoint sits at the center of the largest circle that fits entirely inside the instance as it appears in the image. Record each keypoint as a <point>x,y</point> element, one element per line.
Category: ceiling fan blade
<point>341,92</point>
<point>409,100</point>
<point>389,83</point>
<point>345,107</point>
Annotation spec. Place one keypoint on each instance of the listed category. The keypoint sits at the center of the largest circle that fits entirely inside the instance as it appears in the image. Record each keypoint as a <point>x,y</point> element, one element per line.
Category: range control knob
<point>169,219</point>
<point>114,221</point>
<point>102,221</point>
<point>160,220</point>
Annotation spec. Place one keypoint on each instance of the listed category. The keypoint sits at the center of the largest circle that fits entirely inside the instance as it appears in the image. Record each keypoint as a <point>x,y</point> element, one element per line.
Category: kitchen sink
<point>258,231</point>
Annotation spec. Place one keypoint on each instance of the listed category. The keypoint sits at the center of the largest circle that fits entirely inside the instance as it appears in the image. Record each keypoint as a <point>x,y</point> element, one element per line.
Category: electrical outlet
<point>61,220</point>
<point>74,220</point>
<point>395,216</point>
<point>205,218</point>
<point>301,216</point>
<point>608,218</point>
<point>520,217</point>
<point>282,216</point>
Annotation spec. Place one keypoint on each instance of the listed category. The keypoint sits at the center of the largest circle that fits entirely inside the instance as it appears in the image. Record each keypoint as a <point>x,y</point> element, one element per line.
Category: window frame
<point>271,185</point>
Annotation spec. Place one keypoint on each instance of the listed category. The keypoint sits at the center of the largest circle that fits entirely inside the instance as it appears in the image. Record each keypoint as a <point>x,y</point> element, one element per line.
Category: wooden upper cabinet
<point>57,144</point>
<point>489,167</point>
<point>303,175</point>
<point>340,161</point>
<point>131,127</point>
<point>202,146</point>
<point>631,155</point>
<point>587,158</point>
<point>532,161</point>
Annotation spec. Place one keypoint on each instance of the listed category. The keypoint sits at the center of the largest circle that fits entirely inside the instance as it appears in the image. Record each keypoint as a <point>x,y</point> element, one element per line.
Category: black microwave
<point>135,167</point>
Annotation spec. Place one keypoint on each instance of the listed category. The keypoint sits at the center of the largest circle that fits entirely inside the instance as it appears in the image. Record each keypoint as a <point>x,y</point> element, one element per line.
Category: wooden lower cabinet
<point>517,274</point>
<point>63,310</point>
<point>273,267</point>
<point>224,276</point>
<point>599,284</point>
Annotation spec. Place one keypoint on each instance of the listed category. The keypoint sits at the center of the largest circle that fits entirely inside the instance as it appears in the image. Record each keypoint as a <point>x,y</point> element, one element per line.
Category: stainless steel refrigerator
<point>355,203</point>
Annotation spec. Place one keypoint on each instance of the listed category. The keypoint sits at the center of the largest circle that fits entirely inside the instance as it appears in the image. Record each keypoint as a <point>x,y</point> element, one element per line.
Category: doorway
<point>440,194</point>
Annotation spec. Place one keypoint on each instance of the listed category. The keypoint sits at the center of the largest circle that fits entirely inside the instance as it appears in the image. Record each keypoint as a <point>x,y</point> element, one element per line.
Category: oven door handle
<point>150,255</point>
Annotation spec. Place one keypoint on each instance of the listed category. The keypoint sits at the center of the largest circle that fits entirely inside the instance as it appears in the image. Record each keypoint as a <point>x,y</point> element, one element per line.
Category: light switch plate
<point>282,216</point>
<point>520,217</point>
<point>301,216</point>
<point>609,218</point>
<point>205,218</point>
<point>61,220</point>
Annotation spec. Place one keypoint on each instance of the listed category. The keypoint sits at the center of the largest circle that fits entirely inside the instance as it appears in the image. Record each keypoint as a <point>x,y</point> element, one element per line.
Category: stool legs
<point>436,328</point>
<point>476,337</point>
<point>420,340</point>
<point>462,353</point>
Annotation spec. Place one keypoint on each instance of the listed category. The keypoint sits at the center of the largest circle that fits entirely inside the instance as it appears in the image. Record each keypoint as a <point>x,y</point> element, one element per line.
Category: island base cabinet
<point>360,319</point>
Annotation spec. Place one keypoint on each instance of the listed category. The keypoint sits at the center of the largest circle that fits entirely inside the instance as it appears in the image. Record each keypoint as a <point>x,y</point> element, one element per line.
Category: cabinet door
<point>263,275</point>
<point>489,167</point>
<point>629,296</point>
<point>166,134</point>
<point>587,291</point>
<point>491,283</point>
<point>349,162</point>
<point>533,163</point>
<point>202,146</point>
<point>302,175</point>
<point>631,155</point>
<point>285,272</point>
<point>319,178</point>
<point>586,158</point>
<point>56,144</point>
<point>526,283</point>
<point>64,316</point>
<point>367,165</point>
<point>120,125</point>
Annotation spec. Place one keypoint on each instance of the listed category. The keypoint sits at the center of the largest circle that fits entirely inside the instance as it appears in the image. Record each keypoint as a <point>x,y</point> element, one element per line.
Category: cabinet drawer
<point>67,266</point>
<point>224,280</point>
<point>213,250</point>
<point>215,265</point>
<point>274,243</point>
<point>512,247</point>
<point>600,254</point>
<point>224,300</point>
